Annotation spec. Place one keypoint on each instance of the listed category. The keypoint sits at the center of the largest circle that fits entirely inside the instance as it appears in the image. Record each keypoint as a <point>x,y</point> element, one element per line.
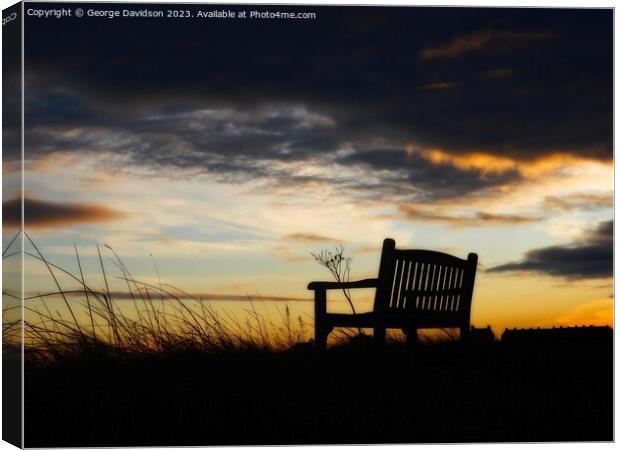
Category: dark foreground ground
<point>354,394</point>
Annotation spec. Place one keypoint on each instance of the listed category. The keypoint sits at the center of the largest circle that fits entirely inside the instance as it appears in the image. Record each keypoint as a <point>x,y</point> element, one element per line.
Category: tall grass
<point>164,318</point>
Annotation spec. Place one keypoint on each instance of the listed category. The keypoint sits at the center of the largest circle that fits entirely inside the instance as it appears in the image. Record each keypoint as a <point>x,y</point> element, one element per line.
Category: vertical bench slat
<point>426,280</point>
<point>403,297</point>
<point>456,286</point>
<point>406,278</point>
<point>455,275</point>
<point>437,281</point>
<point>411,300</point>
<point>425,287</point>
<point>449,285</point>
<point>443,287</point>
<point>393,283</point>
<point>459,276</point>
<point>442,276</point>
<point>436,287</point>
<point>410,276</point>
<point>459,286</point>
<point>418,289</point>
<point>437,284</point>
<point>394,304</point>
<point>428,286</point>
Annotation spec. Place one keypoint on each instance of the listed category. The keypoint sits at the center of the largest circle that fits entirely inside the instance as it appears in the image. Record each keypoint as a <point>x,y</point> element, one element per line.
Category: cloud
<point>501,72</point>
<point>206,296</point>
<point>41,213</point>
<point>478,219</point>
<point>542,112</point>
<point>477,41</point>
<point>603,233</point>
<point>280,145</point>
<point>437,86</point>
<point>488,162</point>
<point>221,297</point>
<point>310,237</point>
<point>288,254</point>
<point>291,120</point>
<point>590,257</point>
<point>408,175</point>
<point>578,201</point>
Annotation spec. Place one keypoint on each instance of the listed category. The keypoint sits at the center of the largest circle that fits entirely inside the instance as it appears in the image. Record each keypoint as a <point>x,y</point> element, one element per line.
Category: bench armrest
<point>325,285</point>
<point>320,294</point>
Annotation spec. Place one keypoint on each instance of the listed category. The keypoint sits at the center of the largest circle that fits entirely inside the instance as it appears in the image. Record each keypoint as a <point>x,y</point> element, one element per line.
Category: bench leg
<point>321,329</point>
<point>465,329</point>
<point>379,334</point>
<point>320,337</point>
<point>412,336</point>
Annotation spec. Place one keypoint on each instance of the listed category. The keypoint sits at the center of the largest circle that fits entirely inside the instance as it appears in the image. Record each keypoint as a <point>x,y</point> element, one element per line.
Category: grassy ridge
<point>354,393</point>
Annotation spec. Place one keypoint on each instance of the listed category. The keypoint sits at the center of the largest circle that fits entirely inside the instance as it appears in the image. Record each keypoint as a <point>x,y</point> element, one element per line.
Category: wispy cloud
<point>580,201</point>
<point>437,86</point>
<point>477,219</point>
<point>41,213</point>
<point>477,41</point>
<point>500,72</point>
<point>204,296</point>
<point>310,237</point>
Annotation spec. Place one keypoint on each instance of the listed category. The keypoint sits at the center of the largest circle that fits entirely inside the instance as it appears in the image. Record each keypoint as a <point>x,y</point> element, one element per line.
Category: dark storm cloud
<point>602,234</point>
<point>225,143</point>
<point>591,257</point>
<point>41,213</point>
<point>425,181</point>
<point>277,131</point>
<point>237,146</point>
<point>240,96</point>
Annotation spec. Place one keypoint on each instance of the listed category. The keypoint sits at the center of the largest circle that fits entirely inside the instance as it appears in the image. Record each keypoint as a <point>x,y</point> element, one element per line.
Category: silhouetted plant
<point>338,265</point>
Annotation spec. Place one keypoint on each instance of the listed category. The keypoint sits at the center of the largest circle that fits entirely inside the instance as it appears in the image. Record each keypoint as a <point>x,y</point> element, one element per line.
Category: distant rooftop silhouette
<point>575,334</point>
<point>482,335</point>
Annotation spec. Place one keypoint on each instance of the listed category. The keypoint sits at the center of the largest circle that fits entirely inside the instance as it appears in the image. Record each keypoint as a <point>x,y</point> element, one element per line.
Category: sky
<point>217,154</point>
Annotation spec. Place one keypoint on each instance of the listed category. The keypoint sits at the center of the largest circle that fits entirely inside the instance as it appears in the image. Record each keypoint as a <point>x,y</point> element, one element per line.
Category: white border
<point>479,3</point>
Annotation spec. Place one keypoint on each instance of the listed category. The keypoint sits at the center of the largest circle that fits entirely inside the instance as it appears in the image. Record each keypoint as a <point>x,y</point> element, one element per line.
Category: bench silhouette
<point>414,289</point>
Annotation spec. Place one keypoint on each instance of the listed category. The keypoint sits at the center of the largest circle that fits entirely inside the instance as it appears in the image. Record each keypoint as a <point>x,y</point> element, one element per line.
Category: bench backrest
<point>424,280</point>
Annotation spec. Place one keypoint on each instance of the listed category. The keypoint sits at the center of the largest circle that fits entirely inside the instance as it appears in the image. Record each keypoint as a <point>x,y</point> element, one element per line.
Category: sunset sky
<point>223,152</point>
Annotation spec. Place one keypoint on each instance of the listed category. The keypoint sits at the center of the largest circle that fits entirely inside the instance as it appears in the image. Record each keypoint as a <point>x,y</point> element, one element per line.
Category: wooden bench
<point>414,289</point>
